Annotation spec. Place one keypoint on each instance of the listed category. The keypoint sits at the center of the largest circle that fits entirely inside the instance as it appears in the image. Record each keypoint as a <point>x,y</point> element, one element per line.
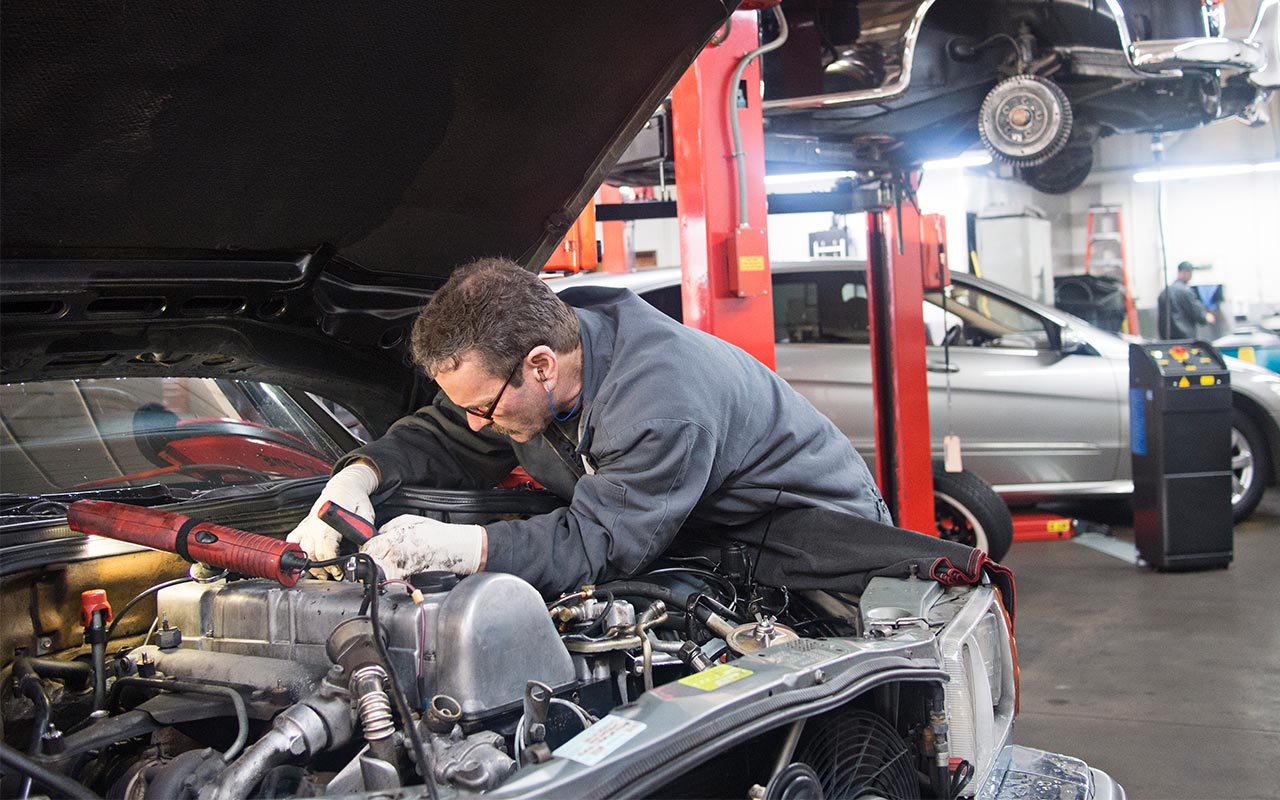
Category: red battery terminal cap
<point>92,601</point>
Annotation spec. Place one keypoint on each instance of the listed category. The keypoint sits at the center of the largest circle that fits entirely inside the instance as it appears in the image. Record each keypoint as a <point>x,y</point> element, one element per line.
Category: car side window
<point>820,308</point>
<point>974,318</point>
<point>667,300</point>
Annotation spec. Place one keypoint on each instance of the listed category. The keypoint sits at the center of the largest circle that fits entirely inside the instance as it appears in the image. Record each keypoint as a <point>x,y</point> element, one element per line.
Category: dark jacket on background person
<point>1179,311</point>
<point>676,428</point>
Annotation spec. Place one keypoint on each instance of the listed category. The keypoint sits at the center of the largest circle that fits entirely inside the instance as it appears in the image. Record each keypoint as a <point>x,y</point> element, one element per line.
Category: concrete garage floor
<point>1169,682</point>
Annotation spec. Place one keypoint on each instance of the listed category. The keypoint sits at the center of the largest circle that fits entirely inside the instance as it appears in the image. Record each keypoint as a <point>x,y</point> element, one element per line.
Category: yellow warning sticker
<point>751,263</point>
<point>1058,526</point>
<point>1184,382</point>
<point>1206,380</point>
<point>717,676</point>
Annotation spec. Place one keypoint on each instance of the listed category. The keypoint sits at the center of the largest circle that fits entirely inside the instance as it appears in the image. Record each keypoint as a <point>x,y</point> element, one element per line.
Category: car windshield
<point>81,436</point>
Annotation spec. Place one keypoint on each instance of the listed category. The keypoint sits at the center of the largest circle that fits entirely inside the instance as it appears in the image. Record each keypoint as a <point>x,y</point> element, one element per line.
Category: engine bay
<point>209,684</point>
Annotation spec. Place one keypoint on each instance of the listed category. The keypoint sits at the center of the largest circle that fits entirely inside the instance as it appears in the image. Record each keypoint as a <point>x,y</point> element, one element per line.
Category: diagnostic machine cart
<point>1180,440</point>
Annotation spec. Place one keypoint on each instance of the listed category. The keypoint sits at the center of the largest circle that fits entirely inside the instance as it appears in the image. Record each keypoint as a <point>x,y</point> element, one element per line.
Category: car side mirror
<point>1071,342</point>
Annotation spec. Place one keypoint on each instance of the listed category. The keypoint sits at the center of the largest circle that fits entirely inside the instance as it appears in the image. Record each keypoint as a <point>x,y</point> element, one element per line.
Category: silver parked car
<point>1038,397</point>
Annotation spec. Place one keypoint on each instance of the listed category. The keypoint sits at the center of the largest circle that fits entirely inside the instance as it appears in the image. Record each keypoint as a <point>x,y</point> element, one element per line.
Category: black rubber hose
<point>77,675</point>
<point>58,785</point>
<point>703,610</point>
<point>29,686</point>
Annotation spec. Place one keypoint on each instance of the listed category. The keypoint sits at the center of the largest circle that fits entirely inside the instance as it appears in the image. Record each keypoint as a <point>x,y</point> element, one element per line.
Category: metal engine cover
<point>479,642</point>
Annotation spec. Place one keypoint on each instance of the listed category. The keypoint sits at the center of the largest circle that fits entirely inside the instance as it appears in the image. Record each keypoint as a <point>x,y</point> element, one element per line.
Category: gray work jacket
<point>676,428</point>
<point>1179,311</point>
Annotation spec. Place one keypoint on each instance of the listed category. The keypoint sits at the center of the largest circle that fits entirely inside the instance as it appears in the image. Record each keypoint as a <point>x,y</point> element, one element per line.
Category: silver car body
<point>1035,420</point>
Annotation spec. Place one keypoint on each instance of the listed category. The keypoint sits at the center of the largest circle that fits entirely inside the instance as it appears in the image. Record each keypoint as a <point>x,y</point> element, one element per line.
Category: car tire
<point>970,512</point>
<point>1061,174</point>
<point>1250,466</point>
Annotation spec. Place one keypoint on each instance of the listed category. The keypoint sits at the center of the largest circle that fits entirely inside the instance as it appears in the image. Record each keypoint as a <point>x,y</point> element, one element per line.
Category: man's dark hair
<point>1186,266</point>
<point>497,310</point>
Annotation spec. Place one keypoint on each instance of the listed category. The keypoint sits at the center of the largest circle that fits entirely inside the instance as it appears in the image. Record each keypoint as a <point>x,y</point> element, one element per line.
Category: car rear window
<point>201,433</point>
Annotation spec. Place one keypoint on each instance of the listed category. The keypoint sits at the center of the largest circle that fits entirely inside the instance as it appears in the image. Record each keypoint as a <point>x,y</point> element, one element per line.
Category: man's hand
<point>350,488</point>
<point>410,544</point>
<point>1209,317</point>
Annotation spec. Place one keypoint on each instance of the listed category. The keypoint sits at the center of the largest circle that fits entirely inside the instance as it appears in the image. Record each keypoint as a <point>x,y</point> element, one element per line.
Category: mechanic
<point>642,424</point>
<point>1179,309</point>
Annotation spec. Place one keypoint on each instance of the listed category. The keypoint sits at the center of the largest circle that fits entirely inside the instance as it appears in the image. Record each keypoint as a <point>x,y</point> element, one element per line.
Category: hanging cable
<point>1164,325</point>
<point>739,155</point>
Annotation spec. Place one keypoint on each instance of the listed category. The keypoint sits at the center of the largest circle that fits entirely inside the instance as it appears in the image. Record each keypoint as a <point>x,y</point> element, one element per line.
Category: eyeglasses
<point>488,415</point>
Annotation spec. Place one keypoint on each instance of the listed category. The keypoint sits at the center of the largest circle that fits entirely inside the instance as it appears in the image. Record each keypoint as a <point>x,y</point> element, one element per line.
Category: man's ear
<point>544,362</point>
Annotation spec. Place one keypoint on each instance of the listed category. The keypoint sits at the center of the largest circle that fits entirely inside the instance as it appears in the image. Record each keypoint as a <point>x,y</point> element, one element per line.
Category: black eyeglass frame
<point>488,415</point>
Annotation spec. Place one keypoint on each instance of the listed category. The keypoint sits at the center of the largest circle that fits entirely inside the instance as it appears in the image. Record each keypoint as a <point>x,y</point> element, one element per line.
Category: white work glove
<point>410,544</point>
<point>350,488</point>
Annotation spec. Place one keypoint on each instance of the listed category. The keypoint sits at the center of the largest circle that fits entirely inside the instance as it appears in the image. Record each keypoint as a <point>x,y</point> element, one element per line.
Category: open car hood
<point>270,191</point>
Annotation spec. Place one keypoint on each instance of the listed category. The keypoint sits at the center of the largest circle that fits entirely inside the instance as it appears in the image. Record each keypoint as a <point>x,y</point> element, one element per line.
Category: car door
<point>1026,411</point>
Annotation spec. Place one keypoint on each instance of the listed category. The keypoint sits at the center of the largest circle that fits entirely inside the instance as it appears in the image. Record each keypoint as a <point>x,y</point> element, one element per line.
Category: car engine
<point>248,688</point>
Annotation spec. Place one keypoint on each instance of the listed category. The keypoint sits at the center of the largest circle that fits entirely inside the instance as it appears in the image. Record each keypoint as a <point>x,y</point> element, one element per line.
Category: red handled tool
<point>216,545</point>
<point>354,528</point>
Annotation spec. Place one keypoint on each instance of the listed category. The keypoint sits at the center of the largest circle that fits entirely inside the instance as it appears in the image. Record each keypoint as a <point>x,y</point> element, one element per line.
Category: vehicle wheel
<point>1025,120</point>
<point>1250,466</point>
<point>1061,174</point>
<point>969,511</point>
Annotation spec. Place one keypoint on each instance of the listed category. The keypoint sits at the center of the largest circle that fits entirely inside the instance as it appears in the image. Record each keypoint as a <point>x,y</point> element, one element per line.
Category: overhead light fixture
<point>806,177</point>
<point>959,162</point>
<point>1208,171</point>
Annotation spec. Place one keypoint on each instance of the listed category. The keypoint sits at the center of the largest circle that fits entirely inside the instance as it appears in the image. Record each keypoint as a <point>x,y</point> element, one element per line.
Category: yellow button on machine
<point>1206,380</point>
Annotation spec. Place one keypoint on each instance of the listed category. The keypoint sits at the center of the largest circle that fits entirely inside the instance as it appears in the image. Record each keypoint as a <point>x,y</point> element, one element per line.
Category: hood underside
<point>304,170</point>
<point>409,136</point>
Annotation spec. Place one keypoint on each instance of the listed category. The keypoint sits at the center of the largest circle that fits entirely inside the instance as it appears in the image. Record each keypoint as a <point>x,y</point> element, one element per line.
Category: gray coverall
<point>676,428</point>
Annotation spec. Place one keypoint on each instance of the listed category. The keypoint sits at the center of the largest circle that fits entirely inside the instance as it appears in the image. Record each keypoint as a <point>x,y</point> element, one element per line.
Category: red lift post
<point>725,281</point>
<point>897,272</point>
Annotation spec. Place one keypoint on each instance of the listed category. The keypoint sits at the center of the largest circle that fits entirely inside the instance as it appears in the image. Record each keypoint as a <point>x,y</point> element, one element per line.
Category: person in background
<point>1179,310</point>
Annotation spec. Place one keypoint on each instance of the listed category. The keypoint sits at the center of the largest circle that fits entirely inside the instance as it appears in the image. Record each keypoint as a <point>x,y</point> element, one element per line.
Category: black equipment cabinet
<point>1180,441</point>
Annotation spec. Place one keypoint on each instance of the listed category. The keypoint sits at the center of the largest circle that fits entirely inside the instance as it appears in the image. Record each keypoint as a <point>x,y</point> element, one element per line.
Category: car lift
<point>725,264</point>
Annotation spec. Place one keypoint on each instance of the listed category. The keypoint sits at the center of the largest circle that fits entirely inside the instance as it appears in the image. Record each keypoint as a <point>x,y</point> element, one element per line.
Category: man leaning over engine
<point>644,425</point>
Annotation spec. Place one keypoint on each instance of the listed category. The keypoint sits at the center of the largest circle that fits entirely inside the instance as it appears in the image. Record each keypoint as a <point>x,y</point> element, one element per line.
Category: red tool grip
<point>217,545</point>
<point>354,528</point>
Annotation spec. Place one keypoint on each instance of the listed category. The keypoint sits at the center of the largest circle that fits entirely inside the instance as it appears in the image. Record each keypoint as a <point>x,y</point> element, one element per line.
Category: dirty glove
<point>350,488</point>
<point>410,544</point>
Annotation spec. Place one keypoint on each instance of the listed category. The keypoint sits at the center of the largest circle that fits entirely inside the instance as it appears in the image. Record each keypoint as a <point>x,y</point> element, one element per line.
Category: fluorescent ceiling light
<point>959,162</point>
<point>1208,171</point>
<point>806,177</point>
